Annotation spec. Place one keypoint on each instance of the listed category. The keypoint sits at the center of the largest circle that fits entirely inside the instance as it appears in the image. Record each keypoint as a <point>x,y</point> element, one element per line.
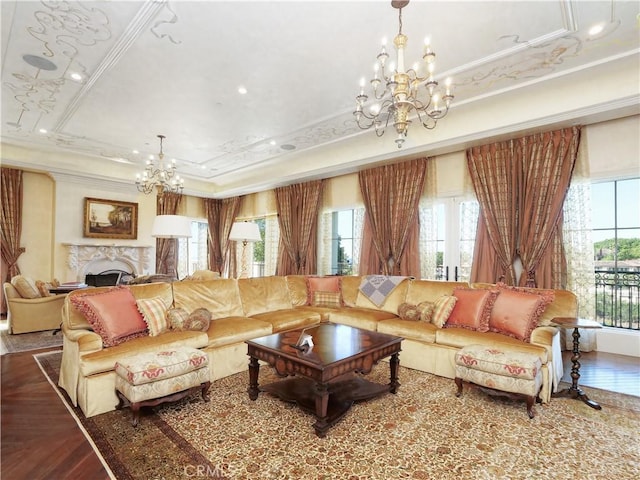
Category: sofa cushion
<point>230,330</point>
<point>288,319</point>
<point>113,314</point>
<point>297,285</point>
<point>25,286</point>
<point>154,312</point>
<point>472,309</point>
<point>516,311</point>
<point>350,287</point>
<point>461,337</point>
<point>104,360</point>
<point>442,308</point>
<point>263,294</point>
<point>221,297</point>
<point>430,290</point>
<point>421,331</point>
<point>366,318</point>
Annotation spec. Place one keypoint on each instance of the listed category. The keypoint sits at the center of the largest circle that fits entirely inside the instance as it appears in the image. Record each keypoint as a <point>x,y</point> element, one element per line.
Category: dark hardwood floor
<point>41,440</point>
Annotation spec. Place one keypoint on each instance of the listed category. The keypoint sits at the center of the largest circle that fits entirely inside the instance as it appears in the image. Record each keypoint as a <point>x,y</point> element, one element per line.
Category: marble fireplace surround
<point>83,259</point>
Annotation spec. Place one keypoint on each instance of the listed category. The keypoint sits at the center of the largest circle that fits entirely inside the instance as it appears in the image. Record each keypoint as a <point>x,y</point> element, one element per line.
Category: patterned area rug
<point>24,342</point>
<point>423,432</point>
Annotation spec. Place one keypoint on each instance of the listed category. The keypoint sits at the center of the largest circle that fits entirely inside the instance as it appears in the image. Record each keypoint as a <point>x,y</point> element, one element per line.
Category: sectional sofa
<point>243,309</point>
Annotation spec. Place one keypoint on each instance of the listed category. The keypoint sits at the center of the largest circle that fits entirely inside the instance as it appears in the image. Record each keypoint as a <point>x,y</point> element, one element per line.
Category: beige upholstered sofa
<point>32,313</point>
<point>248,308</point>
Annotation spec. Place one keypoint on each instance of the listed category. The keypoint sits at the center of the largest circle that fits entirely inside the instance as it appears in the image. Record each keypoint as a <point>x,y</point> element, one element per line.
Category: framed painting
<point>110,219</point>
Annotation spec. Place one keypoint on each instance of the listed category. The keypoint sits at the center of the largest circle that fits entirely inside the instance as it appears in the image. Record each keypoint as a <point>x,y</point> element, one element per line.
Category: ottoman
<point>149,379</point>
<point>503,372</point>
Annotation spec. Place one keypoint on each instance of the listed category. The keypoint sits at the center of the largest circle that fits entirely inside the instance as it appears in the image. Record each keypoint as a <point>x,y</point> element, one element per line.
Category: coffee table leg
<point>322,403</point>
<point>394,363</point>
<point>254,370</point>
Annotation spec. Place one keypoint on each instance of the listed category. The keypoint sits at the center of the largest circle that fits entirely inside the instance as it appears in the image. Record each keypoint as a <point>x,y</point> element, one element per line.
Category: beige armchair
<point>32,314</point>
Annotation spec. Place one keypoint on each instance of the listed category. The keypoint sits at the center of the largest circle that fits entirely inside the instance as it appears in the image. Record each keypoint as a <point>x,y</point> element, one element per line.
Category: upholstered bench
<point>149,379</point>
<point>500,371</point>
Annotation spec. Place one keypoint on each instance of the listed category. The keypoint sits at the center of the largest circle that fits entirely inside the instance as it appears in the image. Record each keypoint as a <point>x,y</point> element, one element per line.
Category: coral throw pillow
<point>113,314</point>
<point>321,284</point>
<point>442,308</point>
<point>154,312</point>
<point>473,309</point>
<point>516,312</point>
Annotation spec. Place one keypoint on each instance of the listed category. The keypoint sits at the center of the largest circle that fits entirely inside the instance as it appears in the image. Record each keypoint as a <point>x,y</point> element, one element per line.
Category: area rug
<point>24,342</point>
<point>423,432</point>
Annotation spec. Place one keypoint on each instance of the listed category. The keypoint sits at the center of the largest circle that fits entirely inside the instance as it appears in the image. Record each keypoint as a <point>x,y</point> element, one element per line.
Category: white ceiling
<point>174,68</point>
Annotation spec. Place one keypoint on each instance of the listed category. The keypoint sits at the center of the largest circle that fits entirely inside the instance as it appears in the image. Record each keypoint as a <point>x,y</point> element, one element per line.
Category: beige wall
<point>54,207</point>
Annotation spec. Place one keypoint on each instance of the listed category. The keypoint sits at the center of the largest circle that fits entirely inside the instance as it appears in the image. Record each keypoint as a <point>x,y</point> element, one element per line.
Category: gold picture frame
<point>110,219</point>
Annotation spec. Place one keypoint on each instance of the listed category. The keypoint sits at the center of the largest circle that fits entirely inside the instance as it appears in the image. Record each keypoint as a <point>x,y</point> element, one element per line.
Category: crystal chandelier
<point>399,97</point>
<point>160,179</point>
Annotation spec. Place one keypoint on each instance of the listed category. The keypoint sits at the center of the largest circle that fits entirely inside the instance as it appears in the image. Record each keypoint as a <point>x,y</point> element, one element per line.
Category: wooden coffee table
<point>324,379</point>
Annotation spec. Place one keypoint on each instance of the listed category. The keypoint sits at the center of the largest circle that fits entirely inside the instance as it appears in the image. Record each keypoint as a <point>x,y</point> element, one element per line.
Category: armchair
<point>32,314</point>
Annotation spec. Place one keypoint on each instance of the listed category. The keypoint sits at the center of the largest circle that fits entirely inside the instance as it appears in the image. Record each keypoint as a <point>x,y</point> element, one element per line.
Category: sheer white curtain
<point>429,224</point>
<point>579,247</point>
<point>358,226</point>
<point>271,241</point>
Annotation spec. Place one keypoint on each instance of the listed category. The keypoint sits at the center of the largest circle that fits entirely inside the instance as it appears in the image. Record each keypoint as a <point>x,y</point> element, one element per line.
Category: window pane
<point>629,203</point>
<point>603,205</point>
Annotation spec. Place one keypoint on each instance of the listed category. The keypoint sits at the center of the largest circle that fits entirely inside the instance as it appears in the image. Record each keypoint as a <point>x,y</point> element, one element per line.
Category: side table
<point>574,391</point>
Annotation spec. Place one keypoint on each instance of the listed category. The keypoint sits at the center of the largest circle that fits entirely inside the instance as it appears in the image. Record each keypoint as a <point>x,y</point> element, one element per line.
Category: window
<point>193,252</point>
<point>257,265</point>
<point>262,256</point>
<point>447,239</point>
<point>616,242</point>
<point>343,241</point>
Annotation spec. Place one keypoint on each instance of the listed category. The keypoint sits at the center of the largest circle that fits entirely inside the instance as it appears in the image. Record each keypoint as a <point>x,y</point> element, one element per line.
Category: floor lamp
<point>244,232</point>
<point>172,226</point>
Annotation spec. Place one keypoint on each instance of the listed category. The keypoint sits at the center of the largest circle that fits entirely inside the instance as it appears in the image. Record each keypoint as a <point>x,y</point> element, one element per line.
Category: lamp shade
<point>171,226</point>
<point>245,231</point>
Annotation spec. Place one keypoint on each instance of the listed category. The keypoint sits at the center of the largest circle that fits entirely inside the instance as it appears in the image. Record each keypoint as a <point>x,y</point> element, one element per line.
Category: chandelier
<point>161,179</point>
<point>399,97</point>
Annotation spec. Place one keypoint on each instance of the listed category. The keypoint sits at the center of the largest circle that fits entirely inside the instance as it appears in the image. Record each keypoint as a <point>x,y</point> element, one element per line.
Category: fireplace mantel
<point>82,256</point>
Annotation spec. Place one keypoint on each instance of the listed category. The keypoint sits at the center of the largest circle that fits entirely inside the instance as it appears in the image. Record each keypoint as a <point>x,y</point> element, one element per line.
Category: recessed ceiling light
<point>76,76</point>
<point>288,146</point>
<point>272,142</point>
<point>242,90</point>
<point>135,152</point>
<point>43,130</point>
<point>596,29</point>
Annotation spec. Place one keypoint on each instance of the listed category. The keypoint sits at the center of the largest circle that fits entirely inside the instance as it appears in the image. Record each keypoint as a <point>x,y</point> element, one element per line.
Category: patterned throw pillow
<point>43,288</point>
<point>322,284</point>
<point>154,312</point>
<point>176,318</point>
<point>442,309</point>
<point>473,308</point>
<point>113,314</point>
<point>326,299</point>
<point>408,311</point>
<point>426,311</point>
<point>198,320</point>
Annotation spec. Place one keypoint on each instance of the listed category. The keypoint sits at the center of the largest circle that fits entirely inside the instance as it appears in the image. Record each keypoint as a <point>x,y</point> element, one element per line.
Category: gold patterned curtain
<point>167,248</point>
<point>11,219</point>
<point>494,173</point>
<point>221,213</point>
<point>549,159</point>
<point>391,234</point>
<point>521,186</point>
<point>298,206</point>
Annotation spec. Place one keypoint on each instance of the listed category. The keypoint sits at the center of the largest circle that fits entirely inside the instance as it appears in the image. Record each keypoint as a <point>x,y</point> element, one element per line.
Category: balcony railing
<point>618,299</point>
